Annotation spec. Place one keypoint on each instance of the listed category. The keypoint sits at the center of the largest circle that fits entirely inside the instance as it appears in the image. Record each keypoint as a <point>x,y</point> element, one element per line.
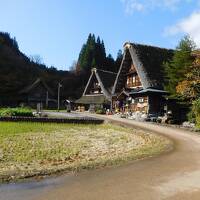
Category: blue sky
<point>56,29</point>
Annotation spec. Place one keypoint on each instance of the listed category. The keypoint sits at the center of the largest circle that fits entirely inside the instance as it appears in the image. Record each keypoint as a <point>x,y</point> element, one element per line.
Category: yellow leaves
<point>189,88</point>
<point>197,62</point>
<point>184,88</point>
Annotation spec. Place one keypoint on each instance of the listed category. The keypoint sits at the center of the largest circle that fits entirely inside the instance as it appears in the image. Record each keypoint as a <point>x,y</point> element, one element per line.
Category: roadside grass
<point>14,112</point>
<point>36,149</point>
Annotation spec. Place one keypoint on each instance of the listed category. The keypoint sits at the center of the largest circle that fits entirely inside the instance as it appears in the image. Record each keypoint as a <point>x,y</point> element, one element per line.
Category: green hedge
<point>17,112</point>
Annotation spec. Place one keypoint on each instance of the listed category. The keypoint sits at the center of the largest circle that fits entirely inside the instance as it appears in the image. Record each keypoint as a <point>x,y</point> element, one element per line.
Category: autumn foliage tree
<point>189,88</point>
<point>179,66</point>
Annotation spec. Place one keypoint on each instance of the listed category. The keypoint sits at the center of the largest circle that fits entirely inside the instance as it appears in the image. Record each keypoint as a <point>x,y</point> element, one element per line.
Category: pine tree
<point>93,52</point>
<point>103,51</point>
<point>179,65</point>
<point>94,64</point>
<point>81,59</point>
<point>110,63</point>
<point>118,60</point>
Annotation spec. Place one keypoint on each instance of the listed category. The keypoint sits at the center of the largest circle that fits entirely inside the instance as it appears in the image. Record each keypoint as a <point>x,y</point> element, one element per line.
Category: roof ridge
<point>147,45</point>
<point>35,83</point>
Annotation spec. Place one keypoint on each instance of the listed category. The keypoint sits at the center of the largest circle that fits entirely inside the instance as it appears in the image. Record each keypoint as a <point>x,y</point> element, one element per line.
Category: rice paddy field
<point>36,149</point>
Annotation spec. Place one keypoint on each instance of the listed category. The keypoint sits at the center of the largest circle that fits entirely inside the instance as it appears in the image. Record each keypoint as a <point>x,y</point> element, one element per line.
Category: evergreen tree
<point>81,59</point>
<point>118,60</point>
<point>110,63</point>
<point>179,65</point>
<point>103,51</point>
<point>94,64</point>
<point>100,54</point>
<point>92,53</point>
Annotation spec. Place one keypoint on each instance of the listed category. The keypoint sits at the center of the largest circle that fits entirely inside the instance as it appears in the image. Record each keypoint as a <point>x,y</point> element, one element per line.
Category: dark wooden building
<point>98,90</point>
<point>38,92</point>
<point>139,82</point>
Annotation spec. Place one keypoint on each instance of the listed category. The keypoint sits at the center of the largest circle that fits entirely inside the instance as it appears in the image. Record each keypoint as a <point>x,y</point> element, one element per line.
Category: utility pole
<point>59,86</point>
<point>111,104</point>
<point>47,99</point>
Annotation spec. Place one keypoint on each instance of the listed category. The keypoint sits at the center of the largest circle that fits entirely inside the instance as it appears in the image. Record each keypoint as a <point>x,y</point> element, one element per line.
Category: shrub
<point>195,112</point>
<point>100,111</point>
<point>191,117</point>
<point>16,112</point>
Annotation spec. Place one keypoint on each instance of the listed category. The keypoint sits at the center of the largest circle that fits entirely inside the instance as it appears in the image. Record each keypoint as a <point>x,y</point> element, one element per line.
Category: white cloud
<point>132,6</point>
<point>189,25</point>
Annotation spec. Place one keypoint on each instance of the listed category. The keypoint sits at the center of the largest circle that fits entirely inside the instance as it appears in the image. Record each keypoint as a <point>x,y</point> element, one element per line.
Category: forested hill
<point>18,71</point>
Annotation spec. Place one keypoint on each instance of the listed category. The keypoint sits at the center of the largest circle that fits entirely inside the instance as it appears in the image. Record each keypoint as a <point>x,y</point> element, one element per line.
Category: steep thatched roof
<point>106,80</point>
<point>148,61</point>
<point>34,85</point>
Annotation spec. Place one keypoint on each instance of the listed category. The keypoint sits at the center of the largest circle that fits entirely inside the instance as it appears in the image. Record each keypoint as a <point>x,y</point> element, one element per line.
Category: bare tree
<point>72,68</point>
<point>36,59</point>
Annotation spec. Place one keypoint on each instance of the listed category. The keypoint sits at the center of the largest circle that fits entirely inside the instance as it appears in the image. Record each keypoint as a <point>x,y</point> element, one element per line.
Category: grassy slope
<point>29,149</point>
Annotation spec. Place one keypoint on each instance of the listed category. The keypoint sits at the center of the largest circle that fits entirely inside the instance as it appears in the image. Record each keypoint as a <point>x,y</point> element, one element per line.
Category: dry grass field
<point>36,149</point>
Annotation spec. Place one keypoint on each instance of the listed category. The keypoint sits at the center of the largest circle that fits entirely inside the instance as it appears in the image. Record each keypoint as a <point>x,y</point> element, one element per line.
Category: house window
<point>141,100</point>
<point>96,89</point>
<point>133,80</point>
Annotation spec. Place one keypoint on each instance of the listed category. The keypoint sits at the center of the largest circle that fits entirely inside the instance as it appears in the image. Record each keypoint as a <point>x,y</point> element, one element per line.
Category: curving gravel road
<point>174,175</point>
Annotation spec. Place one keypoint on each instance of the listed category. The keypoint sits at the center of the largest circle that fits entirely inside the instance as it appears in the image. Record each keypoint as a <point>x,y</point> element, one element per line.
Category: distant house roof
<point>92,99</point>
<point>148,61</point>
<point>123,92</point>
<point>34,85</point>
<point>106,80</point>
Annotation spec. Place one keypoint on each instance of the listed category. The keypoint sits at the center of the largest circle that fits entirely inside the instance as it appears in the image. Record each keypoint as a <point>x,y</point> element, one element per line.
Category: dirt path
<point>175,175</point>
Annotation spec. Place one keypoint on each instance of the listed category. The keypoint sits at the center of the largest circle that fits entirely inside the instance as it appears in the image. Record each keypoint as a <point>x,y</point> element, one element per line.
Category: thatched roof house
<point>37,83</point>
<point>99,88</point>
<point>148,62</point>
<point>141,76</point>
<point>38,92</point>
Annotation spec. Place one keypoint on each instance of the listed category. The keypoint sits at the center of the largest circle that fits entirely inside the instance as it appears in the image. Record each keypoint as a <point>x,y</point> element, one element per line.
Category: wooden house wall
<point>156,104</point>
<point>151,104</point>
<point>139,104</point>
<point>132,78</point>
<point>94,87</point>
